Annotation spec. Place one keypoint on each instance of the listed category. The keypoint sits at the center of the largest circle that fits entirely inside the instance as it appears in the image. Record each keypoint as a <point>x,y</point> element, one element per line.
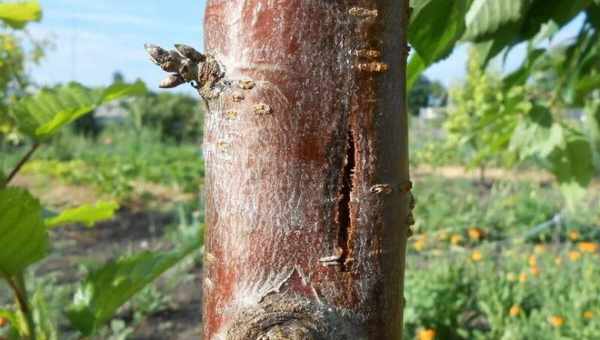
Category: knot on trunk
<point>186,65</point>
<point>279,317</point>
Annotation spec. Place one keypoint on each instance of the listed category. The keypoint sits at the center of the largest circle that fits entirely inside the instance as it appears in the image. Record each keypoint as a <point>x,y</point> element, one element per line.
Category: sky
<point>93,39</point>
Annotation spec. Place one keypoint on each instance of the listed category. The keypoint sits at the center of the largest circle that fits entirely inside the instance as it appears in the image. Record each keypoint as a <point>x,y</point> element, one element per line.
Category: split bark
<point>307,183</point>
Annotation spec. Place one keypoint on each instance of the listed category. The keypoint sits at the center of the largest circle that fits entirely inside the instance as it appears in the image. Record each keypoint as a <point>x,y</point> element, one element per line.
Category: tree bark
<point>307,183</point>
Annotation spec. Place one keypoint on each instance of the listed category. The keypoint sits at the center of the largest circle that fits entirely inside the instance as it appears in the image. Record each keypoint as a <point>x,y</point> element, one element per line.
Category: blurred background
<point>504,156</point>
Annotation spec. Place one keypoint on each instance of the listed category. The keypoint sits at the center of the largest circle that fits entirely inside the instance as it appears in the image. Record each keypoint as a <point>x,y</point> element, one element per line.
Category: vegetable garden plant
<point>24,223</point>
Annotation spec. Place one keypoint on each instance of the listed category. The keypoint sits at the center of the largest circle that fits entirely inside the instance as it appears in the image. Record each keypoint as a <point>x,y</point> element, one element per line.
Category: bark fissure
<point>344,218</point>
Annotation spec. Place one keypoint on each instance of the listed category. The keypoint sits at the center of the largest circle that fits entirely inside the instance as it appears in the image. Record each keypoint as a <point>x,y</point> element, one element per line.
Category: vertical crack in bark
<point>344,218</point>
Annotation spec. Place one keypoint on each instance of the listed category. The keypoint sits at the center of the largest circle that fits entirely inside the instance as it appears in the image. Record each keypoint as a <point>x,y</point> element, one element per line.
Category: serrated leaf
<point>42,115</point>
<point>23,236</point>
<point>535,14</point>
<point>537,135</point>
<point>486,18</point>
<point>578,152</point>
<point>87,214</point>
<point>521,75</point>
<point>436,26</point>
<point>542,11</point>
<point>18,14</point>
<point>121,90</point>
<point>573,167</point>
<point>105,290</point>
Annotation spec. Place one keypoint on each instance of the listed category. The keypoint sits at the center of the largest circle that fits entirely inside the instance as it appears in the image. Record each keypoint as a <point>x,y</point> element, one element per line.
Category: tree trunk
<point>307,184</point>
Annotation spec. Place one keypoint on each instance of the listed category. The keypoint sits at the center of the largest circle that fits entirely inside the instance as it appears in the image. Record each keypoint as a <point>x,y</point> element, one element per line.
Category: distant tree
<point>482,117</point>
<point>88,125</point>
<point>543,131</point>
<point>14,80</point>
<point>118,77</point>
<point>178,117</point>
<point>438,95</point>
<point>426,93</point>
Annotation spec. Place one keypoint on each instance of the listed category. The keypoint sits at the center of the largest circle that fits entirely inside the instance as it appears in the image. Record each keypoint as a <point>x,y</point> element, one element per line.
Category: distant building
<point>578,114</point>
<point>111,112</point>
<point>431,113</point>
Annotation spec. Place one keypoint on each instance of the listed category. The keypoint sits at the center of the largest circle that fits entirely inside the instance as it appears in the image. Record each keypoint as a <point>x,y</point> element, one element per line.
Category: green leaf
<point>42,115</point>
<point>23,236</point>
<point>86,214</point>
<point>585,85</point>
<point>436,26</point>
<point>18,325</point>
<point>547,31</point>
<point>542,11</point>
<point>18,14</point>
<point>486,18</point>
<point>521,75</point>
<point>105,290</point>
<point>537,135</point>
<point>573,167</point>
<point>415,67</point>
<point>121,90</point>
<point>593,15</point>
<point>506,28</point>
<point>574,163</point>
<point>45,325</point>
<point>488,49</point>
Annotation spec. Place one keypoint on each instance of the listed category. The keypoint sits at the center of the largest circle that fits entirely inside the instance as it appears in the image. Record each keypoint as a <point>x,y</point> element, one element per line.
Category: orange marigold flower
<point>539,249</point>
<point>574,255</point>
<point>588,314</point>
<point>522,277</point>
<point>475,234</point>
<point>514,311</point>
<point>456,239</point>
<point>574,235</point>
<point>511,277</point>
<point>556,320</point>
<point>476,256</point>
<point>420,244</point>
<point>535,271</point>
<point>426,334</point>
<point>558,260</point>
<point>532,261</point>
<point>588,247</point>
<point>442,235</point>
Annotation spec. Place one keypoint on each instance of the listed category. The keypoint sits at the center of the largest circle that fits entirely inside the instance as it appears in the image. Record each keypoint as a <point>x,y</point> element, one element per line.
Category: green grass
<point>116,161</point>
<point>507,209</point>
<point>517,292</point>
<point>470,263</point>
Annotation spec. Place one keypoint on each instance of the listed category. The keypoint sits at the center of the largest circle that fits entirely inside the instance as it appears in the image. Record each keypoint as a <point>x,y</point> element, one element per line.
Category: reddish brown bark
<point>307,184</point>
